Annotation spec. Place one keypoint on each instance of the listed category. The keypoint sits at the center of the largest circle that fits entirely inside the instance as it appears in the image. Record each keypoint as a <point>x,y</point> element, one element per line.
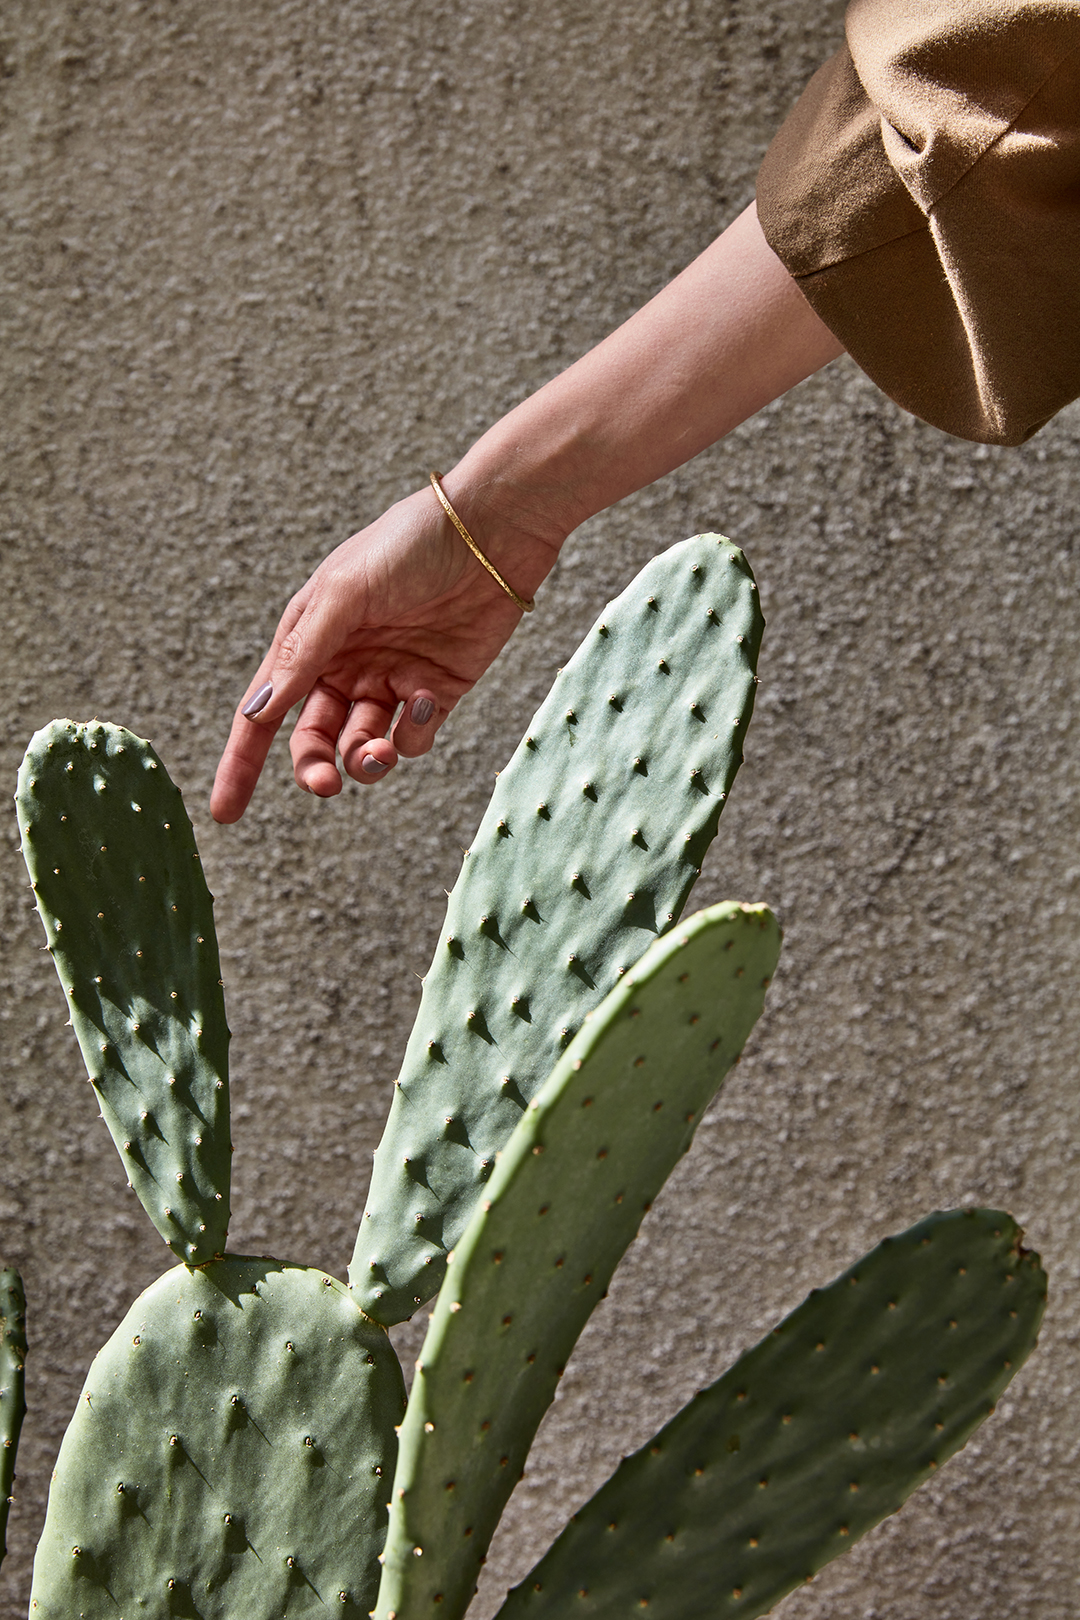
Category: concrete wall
<point>264,264</point>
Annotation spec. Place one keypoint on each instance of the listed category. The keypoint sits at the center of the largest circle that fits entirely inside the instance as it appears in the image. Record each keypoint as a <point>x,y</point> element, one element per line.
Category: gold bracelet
<point>519,601</point>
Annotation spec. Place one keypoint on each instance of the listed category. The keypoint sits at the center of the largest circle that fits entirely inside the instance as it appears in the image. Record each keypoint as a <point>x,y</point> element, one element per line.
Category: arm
<point>402,612</point>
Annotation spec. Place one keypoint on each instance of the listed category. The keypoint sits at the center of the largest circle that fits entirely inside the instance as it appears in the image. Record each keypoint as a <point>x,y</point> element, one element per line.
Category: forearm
<point>731,333</point>
<point>401,615</point>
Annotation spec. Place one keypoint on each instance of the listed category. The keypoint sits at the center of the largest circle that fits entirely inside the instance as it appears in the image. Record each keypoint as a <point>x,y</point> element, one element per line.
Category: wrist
<point>525,604</point>
<point>512,524</point>
<point>529,473</point>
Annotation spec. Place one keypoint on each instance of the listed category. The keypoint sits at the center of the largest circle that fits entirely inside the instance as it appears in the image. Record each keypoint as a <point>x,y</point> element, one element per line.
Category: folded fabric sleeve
<point>925,194</point>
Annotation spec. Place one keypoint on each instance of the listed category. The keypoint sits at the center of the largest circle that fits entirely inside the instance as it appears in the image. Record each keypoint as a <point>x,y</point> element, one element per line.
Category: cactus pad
<point>230,1455</point>
<point>567,1198</point>
<point>128,919</point>
<point>594,835</point>
<point>12,1387</point>
<point>812,1438</point>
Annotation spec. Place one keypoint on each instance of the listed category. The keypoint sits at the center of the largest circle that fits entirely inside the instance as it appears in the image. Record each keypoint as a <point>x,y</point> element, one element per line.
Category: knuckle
<point>291,651</point>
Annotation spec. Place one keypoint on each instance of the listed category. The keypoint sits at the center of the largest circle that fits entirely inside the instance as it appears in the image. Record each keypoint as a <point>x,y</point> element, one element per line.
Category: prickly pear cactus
<point>12,1387</point>
<point>812,1438</point>
<point>230,1455</point>
<point>593,838</point>
<point>129,925</point>
<point>595,1146</point>
<point>234,1444</point>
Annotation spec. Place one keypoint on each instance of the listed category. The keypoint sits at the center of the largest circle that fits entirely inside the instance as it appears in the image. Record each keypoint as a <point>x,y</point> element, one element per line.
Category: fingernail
<point>257,702</point>
<point>421,711</point>
<point>371,765</point>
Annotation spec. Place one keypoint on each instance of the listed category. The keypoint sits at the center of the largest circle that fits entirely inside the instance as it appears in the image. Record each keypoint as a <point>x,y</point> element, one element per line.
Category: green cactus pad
<point>230,1455</point>
<point>12,1387</point>
<point>813,1437</point>
<point>566,1199</point>
<point>594,836</point>
<point>129,924</point>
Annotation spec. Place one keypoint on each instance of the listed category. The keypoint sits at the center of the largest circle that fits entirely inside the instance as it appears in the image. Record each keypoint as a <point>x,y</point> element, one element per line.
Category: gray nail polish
<point>421,711</point>
<point>371,765</point>
<point>257,702</point>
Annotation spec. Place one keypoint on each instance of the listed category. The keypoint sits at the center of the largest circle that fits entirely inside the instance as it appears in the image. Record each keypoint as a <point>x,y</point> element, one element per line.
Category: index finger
<point>242,761</point>
<point>244,754</point>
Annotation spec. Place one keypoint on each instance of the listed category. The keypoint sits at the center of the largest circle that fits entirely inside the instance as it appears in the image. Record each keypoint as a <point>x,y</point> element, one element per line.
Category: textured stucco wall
<point>264,263</point>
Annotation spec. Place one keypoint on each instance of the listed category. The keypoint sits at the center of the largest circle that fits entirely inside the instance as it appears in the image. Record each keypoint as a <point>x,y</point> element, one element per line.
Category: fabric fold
<point>925,194</point>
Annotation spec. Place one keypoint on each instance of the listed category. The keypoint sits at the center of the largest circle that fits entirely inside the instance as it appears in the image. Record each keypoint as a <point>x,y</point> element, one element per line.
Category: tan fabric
<point>925,193</point>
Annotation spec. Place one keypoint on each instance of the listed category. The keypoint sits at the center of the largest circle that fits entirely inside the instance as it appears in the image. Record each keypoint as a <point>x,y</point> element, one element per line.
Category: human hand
<point>400,613</point>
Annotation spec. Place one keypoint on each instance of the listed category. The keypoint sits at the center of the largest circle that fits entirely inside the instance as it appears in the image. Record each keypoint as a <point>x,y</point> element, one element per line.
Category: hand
<point>401,613</point>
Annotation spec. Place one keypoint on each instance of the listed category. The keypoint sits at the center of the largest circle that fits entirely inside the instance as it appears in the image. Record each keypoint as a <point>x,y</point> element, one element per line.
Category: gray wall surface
<point>263,264</point>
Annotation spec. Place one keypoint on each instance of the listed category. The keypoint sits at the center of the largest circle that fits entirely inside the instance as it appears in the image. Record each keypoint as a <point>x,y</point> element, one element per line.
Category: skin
<point>402,611</point>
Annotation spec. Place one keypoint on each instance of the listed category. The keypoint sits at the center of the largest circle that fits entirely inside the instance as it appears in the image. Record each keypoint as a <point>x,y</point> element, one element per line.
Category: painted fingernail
<point>257,702</point>
<point>421,711</point>
<point>372,766</point>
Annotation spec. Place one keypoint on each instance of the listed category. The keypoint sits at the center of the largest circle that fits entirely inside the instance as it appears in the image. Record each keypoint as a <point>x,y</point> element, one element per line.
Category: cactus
<point>234,1443</point>
<point>230,1454</point>
<point>812,1438</point>
<point>591,843</point>
<point>12,1387</point>
<point>231,1449</point>
<point>129,924</point>
<point>595,1146</point>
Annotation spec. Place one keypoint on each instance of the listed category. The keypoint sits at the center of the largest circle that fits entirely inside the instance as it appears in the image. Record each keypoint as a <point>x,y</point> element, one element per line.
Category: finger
<point>241,762</point>
<point>366,751</point>
<point>314,741</point>
<point>417,724</point>
<point>312,630</point>
<point>245,752</point>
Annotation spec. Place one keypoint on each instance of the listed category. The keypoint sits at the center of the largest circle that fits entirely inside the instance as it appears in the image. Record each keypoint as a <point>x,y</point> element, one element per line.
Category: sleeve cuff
<point>967,315</point>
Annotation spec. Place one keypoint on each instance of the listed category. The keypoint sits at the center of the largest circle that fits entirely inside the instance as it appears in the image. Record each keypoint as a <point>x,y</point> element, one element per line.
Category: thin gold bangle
<point>519,601</point>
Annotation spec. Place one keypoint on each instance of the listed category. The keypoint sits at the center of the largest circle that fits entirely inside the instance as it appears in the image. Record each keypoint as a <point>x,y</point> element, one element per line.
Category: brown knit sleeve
<point>925,194</point>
